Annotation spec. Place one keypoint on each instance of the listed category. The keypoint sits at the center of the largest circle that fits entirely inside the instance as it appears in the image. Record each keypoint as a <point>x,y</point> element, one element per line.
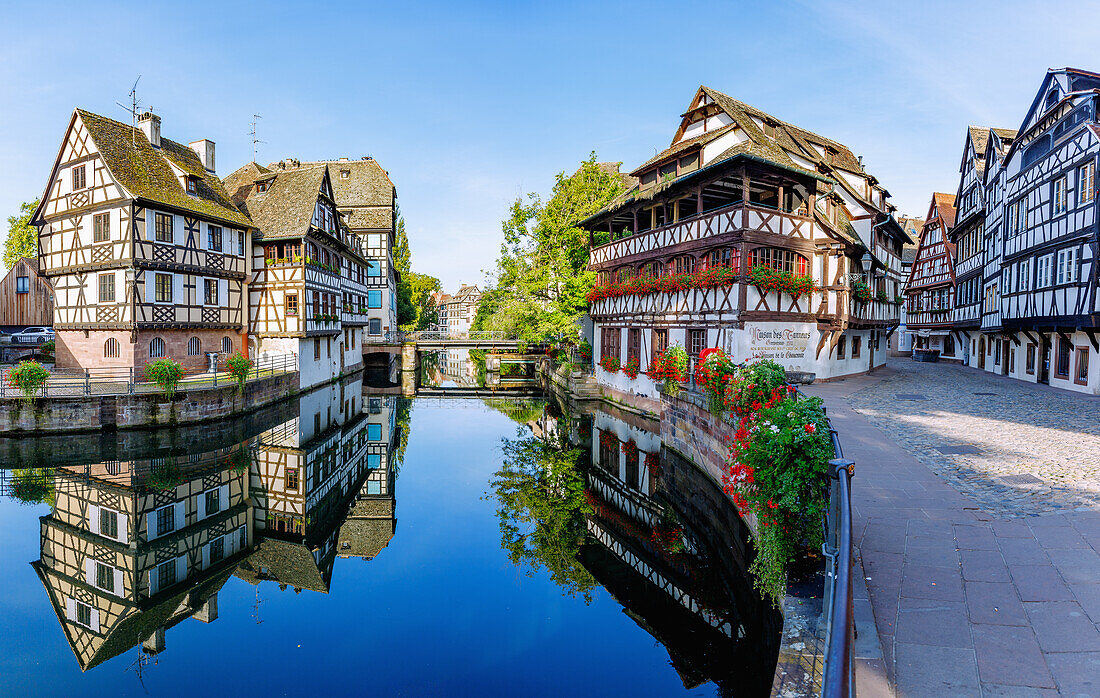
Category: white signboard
<point>778,343</point>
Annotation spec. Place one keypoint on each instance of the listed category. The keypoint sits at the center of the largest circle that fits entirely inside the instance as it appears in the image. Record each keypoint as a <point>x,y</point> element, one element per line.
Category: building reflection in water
<point>133,547</point>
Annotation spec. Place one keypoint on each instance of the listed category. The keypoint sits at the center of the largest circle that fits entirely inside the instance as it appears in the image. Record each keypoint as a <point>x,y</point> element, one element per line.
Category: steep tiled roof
<point>945,204</point>
<point>286,562</point>
<point>286,209</point>
<point>979,136</point>
<point>240,181</point>
<point>366,195</point>
<point>908,254</point>
<point>145,172</point>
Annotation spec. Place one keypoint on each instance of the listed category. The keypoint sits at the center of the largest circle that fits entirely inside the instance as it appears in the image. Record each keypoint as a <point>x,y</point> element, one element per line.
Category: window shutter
<point>93,519</point>
<point>202,506</point>
<point>154,581</point>
<point>123,528</point>
<point>181,568</point>
<point>70,608</point>
<point>179,515</point>
<point>119,590</point>
<point>89,570</point>
<point>206,556</point>
<point>223,496</point>
<point>151,525</point>
<point>95,620</point>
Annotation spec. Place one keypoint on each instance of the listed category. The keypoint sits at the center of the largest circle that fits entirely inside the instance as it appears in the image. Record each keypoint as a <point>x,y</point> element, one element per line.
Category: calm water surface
<point>357,548</point>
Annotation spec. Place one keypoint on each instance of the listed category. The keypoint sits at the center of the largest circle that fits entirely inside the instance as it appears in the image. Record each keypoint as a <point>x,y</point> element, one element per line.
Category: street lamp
<point>865,262</point>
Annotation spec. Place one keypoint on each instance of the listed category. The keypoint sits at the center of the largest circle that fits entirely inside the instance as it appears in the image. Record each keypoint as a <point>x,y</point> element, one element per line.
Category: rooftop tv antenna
<point>133,109</point>
<point>252,133</point>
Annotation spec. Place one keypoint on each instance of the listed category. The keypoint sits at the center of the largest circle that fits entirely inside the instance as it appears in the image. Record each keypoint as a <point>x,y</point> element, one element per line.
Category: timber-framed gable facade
<point>739,190</point>
<point>930,291</point>
<point>146,254</point>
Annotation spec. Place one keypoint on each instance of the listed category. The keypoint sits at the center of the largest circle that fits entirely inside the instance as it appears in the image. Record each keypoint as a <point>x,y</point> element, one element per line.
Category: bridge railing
<point>445,336</point>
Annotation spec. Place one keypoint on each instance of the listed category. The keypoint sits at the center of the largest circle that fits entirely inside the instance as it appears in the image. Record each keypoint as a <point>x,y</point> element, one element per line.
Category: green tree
<point>402,257</point>
<point>541,510</point>
<point>22,240</point>
<point>421,309</point>
<point>542,273</point>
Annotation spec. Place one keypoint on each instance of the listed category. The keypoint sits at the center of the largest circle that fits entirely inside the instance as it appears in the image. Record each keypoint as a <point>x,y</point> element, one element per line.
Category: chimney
<point>205,150</point>
<point>154,644</point>
<point>149,123</point>
<point>343,159</point>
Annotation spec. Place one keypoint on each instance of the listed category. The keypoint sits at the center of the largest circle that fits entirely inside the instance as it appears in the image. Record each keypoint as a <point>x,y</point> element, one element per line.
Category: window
<point>1011,360</point>
<point>292,479</point>
<point>634,344</point>
<point>79,180</point>
<point>227,345</point>
<point>240,242</point>
<point>697,341</point>
<point>684,264</point>
<point>101,227</point>
<point>650,269</point>
<point>166,574</point>
<point>213,501</point>
<point>375,326</point>
<point>779,259</point>
<point>1058,196</point>
<point>1067,266</point>
<point>261,187</point>
<point>1015,221</point>
<point>110,348</point>
<point>344,174</point>
<point>84,614</point>
<point>723,257</point>
<point>292,304</point>
<point>623,275</point>
<point>997,354</point>
<point>22,284</point>
<point>609,451</point>
<point>166,520</point>
<point>374,299</point>
<point>609,342</point>
<point>841,346</point>
<point>108,523</point>
<point>210,288</point>
<point>1023,276</point>
<point>106,288</point>
<point>192,185</point>
<point>1064,351</point>
<point>1042,271</point>
<point>156,348</point>
<point>194,347</point>
<point>374,268</point>
<point>163,227</point>
<point>104,577</point>
<point>1086,183</point>
<point>1081,373</point>
<point>1030,366</point>
<point>214,238</point>
<point>856,345</point>
<point>163,293</point>
<point>217,549</point>
<point>317,349</point>
<point>660,341</point>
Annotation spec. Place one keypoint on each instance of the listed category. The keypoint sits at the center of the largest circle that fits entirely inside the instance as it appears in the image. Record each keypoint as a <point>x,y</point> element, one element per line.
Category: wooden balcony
<point>874,312</point>
<point>723,224</point>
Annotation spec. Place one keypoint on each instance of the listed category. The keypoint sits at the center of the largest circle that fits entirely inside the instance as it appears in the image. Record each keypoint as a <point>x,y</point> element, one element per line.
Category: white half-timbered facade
<point>740,189</point>
<point>930,291</point>
<point>146,254</point>
<point>1040,310</point>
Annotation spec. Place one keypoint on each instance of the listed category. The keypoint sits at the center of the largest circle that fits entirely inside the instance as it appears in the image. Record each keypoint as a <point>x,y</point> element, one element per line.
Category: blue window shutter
<point>374,432</point>
<point>374,460</point>
<point>374,299</point>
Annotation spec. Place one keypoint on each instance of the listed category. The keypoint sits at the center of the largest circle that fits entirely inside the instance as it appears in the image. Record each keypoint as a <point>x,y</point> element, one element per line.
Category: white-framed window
<point>167,574</point>
<point>1058,195</point>
<point>82,614</point>
<point>1043,271</point>
<point>1086,183</point>
<point>162,288</point>
<point>103,576</point>
<point>1023,275</point>
<point>164,520</point>
<point>1067,266</point>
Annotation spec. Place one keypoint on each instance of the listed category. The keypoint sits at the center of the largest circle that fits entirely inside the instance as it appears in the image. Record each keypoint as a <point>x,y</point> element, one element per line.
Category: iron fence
<point>75,382</point>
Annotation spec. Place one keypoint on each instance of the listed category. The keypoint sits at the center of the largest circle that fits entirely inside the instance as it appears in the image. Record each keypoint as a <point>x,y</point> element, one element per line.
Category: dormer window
<point>769,130</point>
<point>261,187</point>
<point>344,174</point>
<point>1052,97</point>
<point>192,185</point>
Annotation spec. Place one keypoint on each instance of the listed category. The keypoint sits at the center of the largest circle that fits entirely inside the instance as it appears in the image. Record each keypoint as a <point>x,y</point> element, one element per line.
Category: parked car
<point>33,335</point>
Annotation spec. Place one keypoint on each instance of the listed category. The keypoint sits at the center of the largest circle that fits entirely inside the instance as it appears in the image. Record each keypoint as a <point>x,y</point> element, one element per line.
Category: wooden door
<point>1044,364</point>
<point>1006,347</point>
<point>981,353</point>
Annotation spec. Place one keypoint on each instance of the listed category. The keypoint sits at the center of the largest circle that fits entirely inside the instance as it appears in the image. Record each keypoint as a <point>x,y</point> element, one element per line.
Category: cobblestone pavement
<point>980,580</point>
<point>1038,449</point>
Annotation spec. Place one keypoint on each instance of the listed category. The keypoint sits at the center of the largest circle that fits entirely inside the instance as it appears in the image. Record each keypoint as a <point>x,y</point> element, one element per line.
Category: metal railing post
<point>838,675</point>
<point>130,382</point>
<point>87,382</point>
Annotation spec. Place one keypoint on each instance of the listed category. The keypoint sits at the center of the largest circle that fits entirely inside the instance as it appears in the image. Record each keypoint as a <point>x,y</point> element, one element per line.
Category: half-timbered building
<point>930,291</point>
<point>1040,318</point>
<point>146,254</point>
<point>741,189</point>
<point>132,548</point>
<point>308,287</point>
<point>972,244</point>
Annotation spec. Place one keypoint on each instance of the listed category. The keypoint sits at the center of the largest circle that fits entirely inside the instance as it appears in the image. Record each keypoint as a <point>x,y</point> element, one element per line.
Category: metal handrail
<point>839,672</point>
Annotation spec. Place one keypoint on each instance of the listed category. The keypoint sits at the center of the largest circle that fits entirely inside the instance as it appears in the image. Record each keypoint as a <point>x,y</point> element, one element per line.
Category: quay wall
<point>95,413</point>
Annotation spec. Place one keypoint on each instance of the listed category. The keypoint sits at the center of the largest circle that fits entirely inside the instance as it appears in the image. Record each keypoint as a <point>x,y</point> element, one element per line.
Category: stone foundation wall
<point>74,350</point>
<point>75,414</point>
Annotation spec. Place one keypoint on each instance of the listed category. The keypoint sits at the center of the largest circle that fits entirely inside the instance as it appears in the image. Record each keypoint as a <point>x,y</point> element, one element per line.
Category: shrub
<point>28,377</point>
<point>585,352</point>
<point>166,373</point>
<point>670,366</point>
<point>239,366</point>
<point>610,363</point>
<point>752,385</point>
<point>777,469</point>
<point>714,374</point>
<point>48,347</point>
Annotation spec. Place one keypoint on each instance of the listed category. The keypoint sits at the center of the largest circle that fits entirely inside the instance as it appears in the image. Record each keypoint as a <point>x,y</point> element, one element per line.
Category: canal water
<point>351,541</point>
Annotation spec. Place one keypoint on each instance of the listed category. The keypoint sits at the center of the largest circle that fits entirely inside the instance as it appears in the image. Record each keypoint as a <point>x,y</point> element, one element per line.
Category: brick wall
<point>75,350</point>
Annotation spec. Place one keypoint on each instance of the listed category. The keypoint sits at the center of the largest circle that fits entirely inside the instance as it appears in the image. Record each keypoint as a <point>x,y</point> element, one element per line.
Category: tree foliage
<point>22,240</point>
<point>415,307</point>
<point>542,274</point>
<point>541,510</point>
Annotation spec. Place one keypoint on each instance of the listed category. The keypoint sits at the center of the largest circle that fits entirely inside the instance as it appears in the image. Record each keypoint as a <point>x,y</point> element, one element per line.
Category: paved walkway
<point>983,569</point>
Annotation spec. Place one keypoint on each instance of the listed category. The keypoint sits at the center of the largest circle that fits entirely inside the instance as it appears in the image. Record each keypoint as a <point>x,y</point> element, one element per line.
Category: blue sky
<point>468,105</point>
